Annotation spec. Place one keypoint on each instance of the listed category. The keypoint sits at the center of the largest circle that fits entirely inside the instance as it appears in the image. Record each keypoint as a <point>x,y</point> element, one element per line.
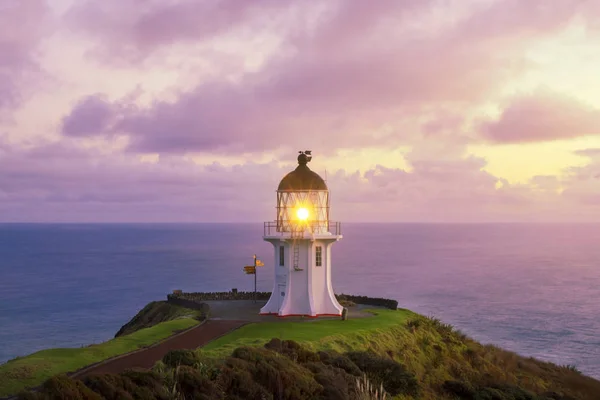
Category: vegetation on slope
<point>32,370</point>
<point>155,313</point>
<point>400,353</point>
<point>351,334</point>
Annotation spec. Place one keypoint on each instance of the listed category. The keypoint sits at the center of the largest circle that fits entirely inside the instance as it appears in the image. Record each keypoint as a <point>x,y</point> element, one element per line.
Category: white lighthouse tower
<point>302,237</point>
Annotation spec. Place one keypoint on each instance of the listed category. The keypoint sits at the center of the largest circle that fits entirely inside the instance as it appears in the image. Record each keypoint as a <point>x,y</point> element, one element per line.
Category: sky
<point>192,111</point>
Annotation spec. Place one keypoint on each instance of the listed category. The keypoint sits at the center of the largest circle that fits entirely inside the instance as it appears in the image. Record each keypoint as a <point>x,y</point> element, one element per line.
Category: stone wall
<point>207,296</point>
<point>371,301</point>
<point>194,300</point>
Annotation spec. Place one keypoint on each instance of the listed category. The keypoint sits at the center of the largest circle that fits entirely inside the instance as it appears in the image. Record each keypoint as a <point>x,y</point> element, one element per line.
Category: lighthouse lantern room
<point>302,237</point>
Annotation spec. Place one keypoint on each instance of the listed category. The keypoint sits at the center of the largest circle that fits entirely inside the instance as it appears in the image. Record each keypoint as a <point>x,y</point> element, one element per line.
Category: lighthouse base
<point>302,285</point>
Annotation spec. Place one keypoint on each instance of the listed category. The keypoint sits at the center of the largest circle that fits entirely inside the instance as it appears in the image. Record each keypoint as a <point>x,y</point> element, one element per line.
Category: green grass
<point>316,335</point>
<point>433,351</point>
<point>34,369</point>
<point>155,313</point>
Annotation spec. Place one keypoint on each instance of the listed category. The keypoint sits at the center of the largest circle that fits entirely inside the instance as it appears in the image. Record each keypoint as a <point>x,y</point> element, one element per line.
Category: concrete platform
<point>248,310</point>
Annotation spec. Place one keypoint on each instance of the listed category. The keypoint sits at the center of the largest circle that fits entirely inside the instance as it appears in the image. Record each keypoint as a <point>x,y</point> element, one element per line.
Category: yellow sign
<point>250,269</point>
<point>259,263</point>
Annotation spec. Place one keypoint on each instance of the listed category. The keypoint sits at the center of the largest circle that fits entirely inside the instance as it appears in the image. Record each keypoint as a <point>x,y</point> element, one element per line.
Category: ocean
<point>533,289</point>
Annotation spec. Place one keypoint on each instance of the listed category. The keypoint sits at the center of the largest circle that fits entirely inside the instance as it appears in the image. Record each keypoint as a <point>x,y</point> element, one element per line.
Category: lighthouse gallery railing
<point>273,228</point>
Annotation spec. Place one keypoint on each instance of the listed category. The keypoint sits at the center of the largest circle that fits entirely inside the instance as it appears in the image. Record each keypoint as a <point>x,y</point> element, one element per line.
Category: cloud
<point>542,116</point>
<point>354,71</point>
<point>593,154</point>
<point>63,182</point>
<point>133,30</point>
<point>23,24</point>
<point>582,184</point>
<point>91,116</point>
<point>333,75</point>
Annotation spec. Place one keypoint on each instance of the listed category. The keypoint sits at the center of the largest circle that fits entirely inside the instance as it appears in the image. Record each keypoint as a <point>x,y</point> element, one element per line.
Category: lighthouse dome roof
<point>302,178</point>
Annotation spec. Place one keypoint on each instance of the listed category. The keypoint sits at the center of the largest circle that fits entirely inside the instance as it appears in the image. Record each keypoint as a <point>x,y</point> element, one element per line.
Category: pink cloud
<point>542,116</point>
<point>61,181</point>
<point>133,29</point>
<point>92,115</point>
<point>582,184</point>
<point>335,83</point>
<point>354,72</point>
<point>22,26</point>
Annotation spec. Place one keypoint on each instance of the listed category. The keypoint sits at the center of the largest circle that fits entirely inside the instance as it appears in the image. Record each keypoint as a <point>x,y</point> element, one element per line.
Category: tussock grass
<point>409,355</point>
<point>436,353</point>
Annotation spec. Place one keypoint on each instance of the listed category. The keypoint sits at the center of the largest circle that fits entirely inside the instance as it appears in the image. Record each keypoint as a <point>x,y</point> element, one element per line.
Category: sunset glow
<point>416,111</point>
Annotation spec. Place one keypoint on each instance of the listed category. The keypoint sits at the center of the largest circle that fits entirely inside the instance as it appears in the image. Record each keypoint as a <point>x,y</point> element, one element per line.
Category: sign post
<point>251,270</point>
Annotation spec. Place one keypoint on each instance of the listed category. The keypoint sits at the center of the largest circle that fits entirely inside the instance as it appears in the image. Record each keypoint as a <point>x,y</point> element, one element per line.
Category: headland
<point>215,346</point>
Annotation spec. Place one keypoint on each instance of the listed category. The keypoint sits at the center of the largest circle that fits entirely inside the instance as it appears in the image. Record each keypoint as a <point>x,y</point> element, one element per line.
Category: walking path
<point>146,358</point>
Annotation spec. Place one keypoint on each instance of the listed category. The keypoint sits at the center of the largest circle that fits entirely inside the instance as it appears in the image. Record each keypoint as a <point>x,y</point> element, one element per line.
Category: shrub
<point>109,386</point>
<point>336,383</point>
<point>150,380</point>
<point>347,303</point>
<point>292,350</point>
<point>506,392</point>
<point>394,377</point>
<point>29,396</point>
<point>193,385</point>
<point>414,324</point>
<point>278,374</point>
<point>340,361</point>
<point>461,389</point>
<point>236,381</point>
<point>61,387</point>
<point>181,357</point>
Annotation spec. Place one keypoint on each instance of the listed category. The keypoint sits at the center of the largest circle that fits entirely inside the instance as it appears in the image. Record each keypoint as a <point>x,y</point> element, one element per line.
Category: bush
<point>109,386</point>
<point>292,350</point>
<point>394,377</point>
<point>278,374</point>
<point>61,387</point>
<point>149,380</point>
<point>236,381</point>
<point>336,383</point>
<point>175,358</point>
<point>193,385</point>
<point>461,389</point>
<point>504,393</point>
<point>347,303</point>
<point>340,361</point>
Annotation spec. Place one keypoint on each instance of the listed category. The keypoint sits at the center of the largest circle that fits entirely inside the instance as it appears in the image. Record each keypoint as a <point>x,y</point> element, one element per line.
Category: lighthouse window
<point>281,255</point>
<point>319,256</point>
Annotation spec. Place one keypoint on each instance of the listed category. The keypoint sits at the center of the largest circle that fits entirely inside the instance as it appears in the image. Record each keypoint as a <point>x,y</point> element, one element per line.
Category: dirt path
<point>191,339</point>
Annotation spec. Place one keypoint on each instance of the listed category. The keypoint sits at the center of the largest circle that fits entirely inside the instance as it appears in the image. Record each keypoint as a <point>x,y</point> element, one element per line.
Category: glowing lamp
<point>302,214</point>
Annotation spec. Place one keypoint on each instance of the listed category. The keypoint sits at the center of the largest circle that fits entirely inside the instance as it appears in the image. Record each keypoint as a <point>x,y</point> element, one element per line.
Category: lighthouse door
<point>281,294</point>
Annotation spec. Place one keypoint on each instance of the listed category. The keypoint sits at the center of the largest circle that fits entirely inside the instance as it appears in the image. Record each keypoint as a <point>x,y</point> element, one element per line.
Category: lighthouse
<point>302,237</point>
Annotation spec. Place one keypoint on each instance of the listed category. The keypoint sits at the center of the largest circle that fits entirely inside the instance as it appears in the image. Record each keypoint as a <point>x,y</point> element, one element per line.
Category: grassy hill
<point>155,313</point>
<point>32,370</point>
<point>397,352</point>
